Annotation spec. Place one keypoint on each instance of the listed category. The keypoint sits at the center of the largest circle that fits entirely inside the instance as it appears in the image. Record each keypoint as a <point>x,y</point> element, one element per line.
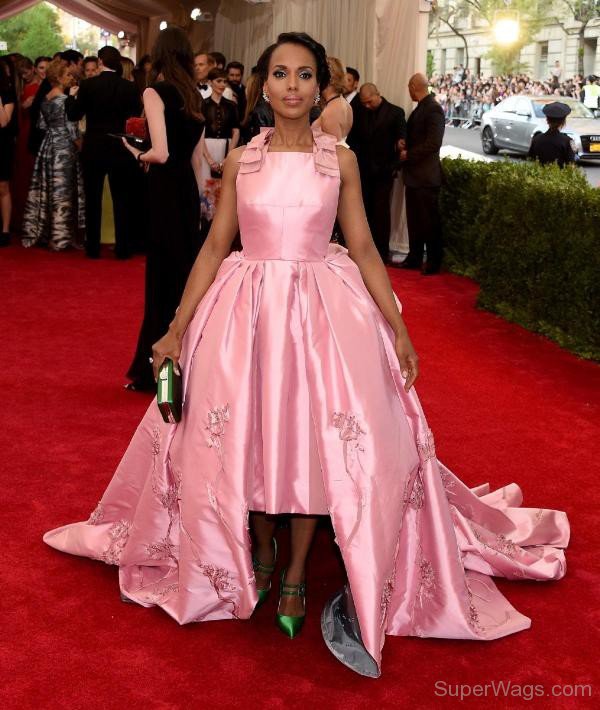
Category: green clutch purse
<point>170,392</point>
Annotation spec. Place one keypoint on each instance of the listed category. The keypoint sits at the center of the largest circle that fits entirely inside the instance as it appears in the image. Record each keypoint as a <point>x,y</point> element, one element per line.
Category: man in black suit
<point>107,101</point>
<point>351,85</point>
<point>378,128</point>
<point>422,174</point>
<point>235,75</point>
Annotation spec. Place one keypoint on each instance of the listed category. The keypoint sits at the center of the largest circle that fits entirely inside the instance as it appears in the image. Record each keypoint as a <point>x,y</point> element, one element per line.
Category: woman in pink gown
<point>298,398</point>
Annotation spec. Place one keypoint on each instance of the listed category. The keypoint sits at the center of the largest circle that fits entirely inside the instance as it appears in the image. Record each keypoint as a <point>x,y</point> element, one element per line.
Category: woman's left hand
<point>408,359</point>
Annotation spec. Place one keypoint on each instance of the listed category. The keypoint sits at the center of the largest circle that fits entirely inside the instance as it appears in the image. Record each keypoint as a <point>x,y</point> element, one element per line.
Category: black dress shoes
<point>410,264</point>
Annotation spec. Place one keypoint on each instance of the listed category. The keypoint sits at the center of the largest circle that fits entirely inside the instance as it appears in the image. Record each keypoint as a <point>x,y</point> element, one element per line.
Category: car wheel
<point>487,142</point>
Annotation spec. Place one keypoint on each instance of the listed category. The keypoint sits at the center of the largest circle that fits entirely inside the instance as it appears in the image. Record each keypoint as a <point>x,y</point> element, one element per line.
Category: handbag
<point>138,127</point>
<point>216,173</point>
<point>169,393</point>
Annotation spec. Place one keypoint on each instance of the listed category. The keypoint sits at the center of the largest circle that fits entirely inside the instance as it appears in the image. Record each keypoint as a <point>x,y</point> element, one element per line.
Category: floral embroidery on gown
<point>284,315</point>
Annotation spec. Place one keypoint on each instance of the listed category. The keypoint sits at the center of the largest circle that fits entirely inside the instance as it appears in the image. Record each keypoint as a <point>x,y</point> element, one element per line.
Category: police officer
<point>553,146</point>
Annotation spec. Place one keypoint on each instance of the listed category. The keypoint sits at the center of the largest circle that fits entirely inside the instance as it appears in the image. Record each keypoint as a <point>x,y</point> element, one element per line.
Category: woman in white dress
<point>336,114</point>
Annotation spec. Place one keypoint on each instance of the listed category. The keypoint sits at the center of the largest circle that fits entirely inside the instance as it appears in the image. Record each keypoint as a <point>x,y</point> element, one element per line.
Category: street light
<point>163,25</point>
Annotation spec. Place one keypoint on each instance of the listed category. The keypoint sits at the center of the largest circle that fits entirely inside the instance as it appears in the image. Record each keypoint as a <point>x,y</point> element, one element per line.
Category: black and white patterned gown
<point>54,210</point>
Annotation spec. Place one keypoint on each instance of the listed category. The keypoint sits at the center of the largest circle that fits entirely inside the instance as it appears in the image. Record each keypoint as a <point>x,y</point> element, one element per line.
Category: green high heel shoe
<point>291,625</point>
<point>258,566</point>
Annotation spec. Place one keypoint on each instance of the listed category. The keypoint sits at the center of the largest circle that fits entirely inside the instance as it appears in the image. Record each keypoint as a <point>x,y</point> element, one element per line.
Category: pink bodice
<point>287,202</point>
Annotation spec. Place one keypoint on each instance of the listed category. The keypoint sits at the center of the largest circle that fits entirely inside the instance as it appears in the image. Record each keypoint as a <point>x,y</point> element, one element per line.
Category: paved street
<point>469,139</point>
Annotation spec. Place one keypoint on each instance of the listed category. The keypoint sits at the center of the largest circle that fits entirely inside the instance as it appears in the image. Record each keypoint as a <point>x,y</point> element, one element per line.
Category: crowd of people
<point>465,97</point>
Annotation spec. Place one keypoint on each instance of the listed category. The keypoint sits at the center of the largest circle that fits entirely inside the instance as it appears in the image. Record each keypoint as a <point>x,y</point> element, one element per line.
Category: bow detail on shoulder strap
<point>324,152</point>
<point>252,158</point>
<point>326,160</point>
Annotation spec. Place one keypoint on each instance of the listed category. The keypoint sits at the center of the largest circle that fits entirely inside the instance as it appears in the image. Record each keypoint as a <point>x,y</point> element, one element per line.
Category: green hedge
<point>530,236</point>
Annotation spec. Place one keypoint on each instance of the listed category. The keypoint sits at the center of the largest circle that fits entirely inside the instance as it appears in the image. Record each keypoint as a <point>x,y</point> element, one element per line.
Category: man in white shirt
<point>203,63</point>
<point>556,73</point>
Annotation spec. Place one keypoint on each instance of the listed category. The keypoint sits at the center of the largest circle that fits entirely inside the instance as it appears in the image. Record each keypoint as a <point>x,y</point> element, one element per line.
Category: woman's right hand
<point>169,346</point>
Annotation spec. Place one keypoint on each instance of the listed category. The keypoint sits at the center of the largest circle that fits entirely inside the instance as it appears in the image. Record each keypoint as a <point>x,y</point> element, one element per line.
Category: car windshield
<point>578,110</point>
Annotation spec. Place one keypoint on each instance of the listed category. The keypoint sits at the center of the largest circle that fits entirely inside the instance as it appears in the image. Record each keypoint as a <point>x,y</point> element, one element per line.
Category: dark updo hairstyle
<point>305,40</point>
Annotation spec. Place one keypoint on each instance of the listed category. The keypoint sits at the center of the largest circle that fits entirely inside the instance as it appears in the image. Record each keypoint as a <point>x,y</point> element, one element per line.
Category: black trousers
<point>122,176</point>
<point>424,225</point>
<point>376,197</point>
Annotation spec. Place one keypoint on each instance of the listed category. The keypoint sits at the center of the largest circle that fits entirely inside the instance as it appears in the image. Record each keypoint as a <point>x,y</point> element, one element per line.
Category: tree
<point>88,41</point>
<point>583,12</point>
<point>506,60</point>
<point>33,32</point>
<point>449,13</point>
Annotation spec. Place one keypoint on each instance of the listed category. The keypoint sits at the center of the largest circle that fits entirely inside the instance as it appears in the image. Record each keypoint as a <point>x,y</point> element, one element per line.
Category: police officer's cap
<point>557,109</point>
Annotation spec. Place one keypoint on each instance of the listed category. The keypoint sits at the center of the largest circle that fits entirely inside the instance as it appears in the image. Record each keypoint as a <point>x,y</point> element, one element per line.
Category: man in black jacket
<point>375,137</point>
<point>107,101</point>
<point>422,174</point>
<point>351,87</point>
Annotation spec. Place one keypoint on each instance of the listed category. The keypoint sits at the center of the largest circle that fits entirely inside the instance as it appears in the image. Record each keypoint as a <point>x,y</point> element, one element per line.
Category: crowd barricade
<point>465,114</point>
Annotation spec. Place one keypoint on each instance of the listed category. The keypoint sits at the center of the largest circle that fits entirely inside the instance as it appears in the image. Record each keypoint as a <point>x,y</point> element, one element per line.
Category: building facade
<point>557,40</point>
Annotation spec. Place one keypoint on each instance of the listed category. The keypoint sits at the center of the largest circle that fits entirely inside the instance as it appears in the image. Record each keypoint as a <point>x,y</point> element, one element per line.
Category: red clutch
<point>137,127</point>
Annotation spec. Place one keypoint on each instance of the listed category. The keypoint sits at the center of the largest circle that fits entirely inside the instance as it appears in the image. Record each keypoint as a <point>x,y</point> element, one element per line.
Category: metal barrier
<point>465,114</point>
<point>468,113</point>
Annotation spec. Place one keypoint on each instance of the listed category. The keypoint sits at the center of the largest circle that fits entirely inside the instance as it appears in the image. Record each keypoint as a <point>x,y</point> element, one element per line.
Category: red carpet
<point>504,405</point>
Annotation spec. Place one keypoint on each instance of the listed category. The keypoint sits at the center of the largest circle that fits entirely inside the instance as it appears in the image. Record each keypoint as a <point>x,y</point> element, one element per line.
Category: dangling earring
<point>266,97</point>
<point>317,97</point>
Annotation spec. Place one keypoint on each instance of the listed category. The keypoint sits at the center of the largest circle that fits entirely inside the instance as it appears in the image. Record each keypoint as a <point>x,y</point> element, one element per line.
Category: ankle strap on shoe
<point>258,566</point>
<point>297,590</point>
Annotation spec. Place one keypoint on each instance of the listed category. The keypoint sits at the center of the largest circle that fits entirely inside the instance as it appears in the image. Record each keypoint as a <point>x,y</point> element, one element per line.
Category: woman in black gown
<point>173,110</point>
<point>8,131</point>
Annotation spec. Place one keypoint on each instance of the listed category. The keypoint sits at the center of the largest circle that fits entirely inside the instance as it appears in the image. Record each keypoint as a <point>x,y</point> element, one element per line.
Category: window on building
<point>590,48</point>
<point>542,68</point>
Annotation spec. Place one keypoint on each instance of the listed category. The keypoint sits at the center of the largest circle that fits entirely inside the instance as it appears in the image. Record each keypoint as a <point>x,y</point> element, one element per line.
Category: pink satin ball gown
<point>294,403</point>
